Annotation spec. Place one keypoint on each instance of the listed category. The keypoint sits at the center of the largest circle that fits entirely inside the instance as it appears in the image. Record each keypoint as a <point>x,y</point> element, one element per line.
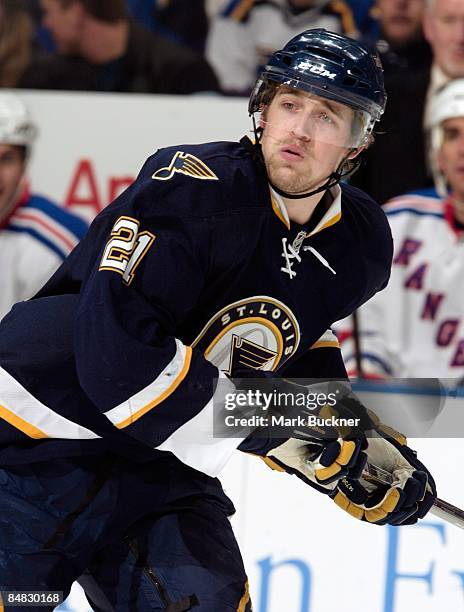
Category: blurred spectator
<point>415,327</point>
<point>15,42</point>
<point>103,50</point>
<point>401,135</point>
<point>365,21</point>
<point>184,22</point>
<point>246,33</point>
<point>401,44</point>
<point>42,36</point>
<point>35,235</point>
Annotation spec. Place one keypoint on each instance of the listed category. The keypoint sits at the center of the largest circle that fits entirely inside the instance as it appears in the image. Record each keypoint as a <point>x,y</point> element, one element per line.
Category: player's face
<point>11,171</point>
<point>401,19</point>
<point>451,159</point>
<point>303,138</point>
<point>444,29</point>
<point>64,23</point>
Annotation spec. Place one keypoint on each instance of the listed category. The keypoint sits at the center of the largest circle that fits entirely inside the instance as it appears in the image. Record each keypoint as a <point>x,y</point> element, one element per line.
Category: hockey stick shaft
<point>440,508</point>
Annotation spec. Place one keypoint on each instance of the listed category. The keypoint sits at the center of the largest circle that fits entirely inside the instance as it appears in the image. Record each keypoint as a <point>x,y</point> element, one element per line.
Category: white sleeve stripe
<point>156,392</point>
<point>195,445</point>
<point>327,336</point>
<point>22,410</point>
<point>50,230</point>
<point>418,204</point>
<point>42,217</point>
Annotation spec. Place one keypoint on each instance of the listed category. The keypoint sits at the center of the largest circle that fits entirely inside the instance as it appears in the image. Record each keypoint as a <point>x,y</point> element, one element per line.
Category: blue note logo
<point>258,332</point>
<point>188,164</point>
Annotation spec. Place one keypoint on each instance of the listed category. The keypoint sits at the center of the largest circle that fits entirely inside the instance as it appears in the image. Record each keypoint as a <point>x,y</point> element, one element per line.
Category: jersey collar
<point>332,216</point>
<point>450,218</point>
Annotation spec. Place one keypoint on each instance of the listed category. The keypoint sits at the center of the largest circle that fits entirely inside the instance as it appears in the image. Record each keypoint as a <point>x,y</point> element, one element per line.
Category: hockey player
<point>219,255</point>
<point>415,327</point>
<point>244,34</point>
<point>35,235</point>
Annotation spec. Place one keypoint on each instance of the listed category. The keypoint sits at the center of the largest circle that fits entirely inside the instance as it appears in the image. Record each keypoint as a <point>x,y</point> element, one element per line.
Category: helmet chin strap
<point>333,179</point>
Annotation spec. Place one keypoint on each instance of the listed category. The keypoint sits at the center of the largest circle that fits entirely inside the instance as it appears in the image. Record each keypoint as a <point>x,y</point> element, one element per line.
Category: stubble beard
<point>289,179</point>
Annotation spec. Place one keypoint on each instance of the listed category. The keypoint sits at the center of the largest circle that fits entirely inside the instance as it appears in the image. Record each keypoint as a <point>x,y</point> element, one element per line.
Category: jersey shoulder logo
<point>258,332</point>
<point>185,163</point>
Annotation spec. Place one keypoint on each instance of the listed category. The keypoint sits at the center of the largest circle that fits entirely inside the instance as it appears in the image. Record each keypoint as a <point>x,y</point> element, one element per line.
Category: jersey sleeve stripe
<point>53,230</point>
<point>58,214</point>
<point>24,412</point>
<point>151,396</point>
<point>414,202</point>
<point>328,339</point>
<point>245,599</point>
<point>40,238</point>
<point>414,211</point>
<point>325,344</point>
<point>194,442</point>
<point>16,421</point>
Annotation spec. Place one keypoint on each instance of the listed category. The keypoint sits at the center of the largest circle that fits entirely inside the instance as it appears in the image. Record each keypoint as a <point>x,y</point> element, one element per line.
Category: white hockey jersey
<point>247,32</point>
<point>34,241</point>
<point>415,327</point>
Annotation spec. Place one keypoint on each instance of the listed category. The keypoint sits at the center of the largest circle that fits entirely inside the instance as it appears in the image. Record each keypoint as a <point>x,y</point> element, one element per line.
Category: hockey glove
<point>405,501</point>
<point>320,455</point>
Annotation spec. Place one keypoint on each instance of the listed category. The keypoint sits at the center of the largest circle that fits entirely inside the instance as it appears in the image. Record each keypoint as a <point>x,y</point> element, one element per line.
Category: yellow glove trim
<point>346,453</point>
<point>344,503</point>
<point>327,472</point>
<point>373,515</point>
<point>272,464</point>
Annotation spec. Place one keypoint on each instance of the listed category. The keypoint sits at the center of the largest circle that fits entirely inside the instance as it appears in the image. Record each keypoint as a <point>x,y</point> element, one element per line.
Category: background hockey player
<point>35,234</point>
<point>244,34</point>
<point>415,327</point>
<point>219,255</point>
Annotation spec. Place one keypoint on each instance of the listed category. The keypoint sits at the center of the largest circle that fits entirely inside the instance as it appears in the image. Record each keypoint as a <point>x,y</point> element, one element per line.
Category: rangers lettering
<point>458,358</point>
<point>447,331</point>
<point>408,249</point>
<point>416,280</point>
<point>431,306</point>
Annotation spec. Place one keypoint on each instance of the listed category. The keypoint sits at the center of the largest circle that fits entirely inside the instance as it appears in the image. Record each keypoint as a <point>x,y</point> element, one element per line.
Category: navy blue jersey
<point>193,269</point>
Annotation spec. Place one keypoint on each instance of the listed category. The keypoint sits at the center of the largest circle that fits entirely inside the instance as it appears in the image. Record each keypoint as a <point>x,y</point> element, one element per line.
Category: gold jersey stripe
<point>27,428</point>
<point>325,344</point>
<point>245,599</point>
<point>172,387</point>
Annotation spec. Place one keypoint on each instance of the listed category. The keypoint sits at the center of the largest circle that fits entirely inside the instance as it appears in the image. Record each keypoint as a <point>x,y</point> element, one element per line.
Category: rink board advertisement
<point>302,553</point>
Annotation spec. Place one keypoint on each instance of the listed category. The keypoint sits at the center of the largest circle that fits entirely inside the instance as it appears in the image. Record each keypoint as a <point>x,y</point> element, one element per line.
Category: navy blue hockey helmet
<point>328,65</point>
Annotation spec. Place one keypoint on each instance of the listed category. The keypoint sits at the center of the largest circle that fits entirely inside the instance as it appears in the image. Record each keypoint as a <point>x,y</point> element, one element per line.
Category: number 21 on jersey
<point>126,248</point>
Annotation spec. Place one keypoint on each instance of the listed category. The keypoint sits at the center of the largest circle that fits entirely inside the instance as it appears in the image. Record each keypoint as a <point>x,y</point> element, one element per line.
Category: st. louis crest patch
<point>185,163</point>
